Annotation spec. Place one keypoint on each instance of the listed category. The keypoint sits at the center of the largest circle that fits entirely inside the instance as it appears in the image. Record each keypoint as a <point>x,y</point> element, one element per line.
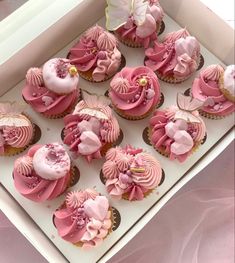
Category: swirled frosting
<point>96,51</point>
<point>136,172</point>
<point>177,56</point>
<point>32,184</point>
<point>16,130</point>
<point>53,89</point>
<point>146,32</point>
<point>207,88</point>
<point>135,91</point>
<point>84,219</point>
<point>175,137</point>
<point>90,127</point>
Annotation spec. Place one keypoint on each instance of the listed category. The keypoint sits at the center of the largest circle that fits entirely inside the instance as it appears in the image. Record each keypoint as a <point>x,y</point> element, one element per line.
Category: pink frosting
<point>177,56</point>
<point>91,126</point>
<point>84,218</point>
<point>207,88</point>
<point>145,33</point>
<point>130,96</point>
<point>175,137</point>
<point>32,185</point>
<point>48,99</point>
<point>99,54</point>
<point>130,171</point>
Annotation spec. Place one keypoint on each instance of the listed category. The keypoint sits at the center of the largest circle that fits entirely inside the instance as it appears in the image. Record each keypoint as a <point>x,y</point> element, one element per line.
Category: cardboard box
<point>52,36</point>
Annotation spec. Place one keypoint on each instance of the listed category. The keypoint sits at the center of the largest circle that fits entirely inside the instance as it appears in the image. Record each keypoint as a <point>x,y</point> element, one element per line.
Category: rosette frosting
<point>53,89</point>
<point>177,56</point>
<point>137,22</point>
<point>42,174</point>
<point>84,219</point>
<point>90,127</point>
<point>207,88</point>
<point>16,130</point>
<point>176,137</point>
<point>97,52</point>
<point>130,171</point>
<point>135,91</point>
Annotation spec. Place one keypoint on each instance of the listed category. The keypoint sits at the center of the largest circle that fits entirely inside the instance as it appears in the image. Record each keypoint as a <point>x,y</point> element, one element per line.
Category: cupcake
<point>92,128</point>
<point>53,89</point>
<point>84,219</point>
<point>16,130</point>
<point>130,173</point>
<point>96,55</point>
<point>44,173</point>
<point>215,86</point>
<point>176,58</point>
<point>178,130</point>
<point>135,92</point>
<point>136,23</point>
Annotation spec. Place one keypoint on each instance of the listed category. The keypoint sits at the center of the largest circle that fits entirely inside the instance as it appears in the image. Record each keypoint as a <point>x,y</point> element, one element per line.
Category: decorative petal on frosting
<point>24,165</point>
<point>34,77</point>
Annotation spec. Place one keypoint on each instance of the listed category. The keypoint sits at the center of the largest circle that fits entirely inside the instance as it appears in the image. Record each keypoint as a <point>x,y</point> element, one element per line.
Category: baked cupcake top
<point>130,172</point>
<point>16,130</point>
<point>96,52</point>
<point>135,20</point>
<point>53,88</point>
<point>43,173</point>
<point>211,87</point>
<point>91,127</point>
<point>176,57</point>
<point>177,130</point>
<point>135,91</point>
<point>84,219</point>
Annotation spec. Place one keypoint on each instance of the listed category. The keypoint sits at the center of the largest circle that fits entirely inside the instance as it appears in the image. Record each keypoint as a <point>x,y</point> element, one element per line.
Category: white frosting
<point>51,162</point>
<point>55,83</point>
<point>229,79</point>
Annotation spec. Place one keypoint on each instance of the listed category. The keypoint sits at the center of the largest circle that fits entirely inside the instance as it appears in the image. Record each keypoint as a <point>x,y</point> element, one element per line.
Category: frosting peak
<point>106,41</point>
<point>173,36</point>
<point>120,85</point>
<point>213,72</point>
<point>24,165</point>
<point>94,32</point>
<point>34,77</point>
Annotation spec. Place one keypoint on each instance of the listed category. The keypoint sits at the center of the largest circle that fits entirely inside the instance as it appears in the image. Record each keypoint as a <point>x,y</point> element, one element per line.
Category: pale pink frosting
<point>18,136</point>
<point>207,88</point>
<point>99,54</point>
<point>128,95</point>
<point>53,91</point>
<point>34,76</point>
<point>32,185</point>
<point>91,126</point>
<point>145,33</point>
<point>83,218</point>
<point>177,56</point>
<point>175,137</point>
<point>137,173</point>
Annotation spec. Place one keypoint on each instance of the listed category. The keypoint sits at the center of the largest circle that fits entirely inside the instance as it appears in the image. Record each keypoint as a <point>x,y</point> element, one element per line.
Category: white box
<point>55,31</point>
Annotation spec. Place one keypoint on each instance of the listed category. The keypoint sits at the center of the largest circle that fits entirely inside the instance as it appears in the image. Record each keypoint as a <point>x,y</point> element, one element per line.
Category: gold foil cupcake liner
<point>74,176</point>
<point>125,196</point>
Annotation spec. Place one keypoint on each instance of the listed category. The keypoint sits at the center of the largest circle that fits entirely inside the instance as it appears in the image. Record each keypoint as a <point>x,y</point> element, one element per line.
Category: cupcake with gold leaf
<point>216,87</point>
<point>16,129</point>
<point>130,173</point>
<point>96,55</point>
<point>84,219</point>
<point>53,89</point>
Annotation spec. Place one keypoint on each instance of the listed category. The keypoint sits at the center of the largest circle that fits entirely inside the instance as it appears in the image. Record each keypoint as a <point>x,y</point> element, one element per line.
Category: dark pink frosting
<point>177,56</point>
<point>161,140</point>
<point>34,187</point>
<point>135,99</point>
<point>96,51</point>
<point>207,88</point>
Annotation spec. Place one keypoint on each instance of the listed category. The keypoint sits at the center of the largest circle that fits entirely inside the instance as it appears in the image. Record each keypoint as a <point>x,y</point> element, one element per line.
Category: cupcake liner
<point>12,151</point>
<point>125,196</point>
<point>160,28</point>
<point>75,176</point>
<point>212,116</point>
<point>87,75</point>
